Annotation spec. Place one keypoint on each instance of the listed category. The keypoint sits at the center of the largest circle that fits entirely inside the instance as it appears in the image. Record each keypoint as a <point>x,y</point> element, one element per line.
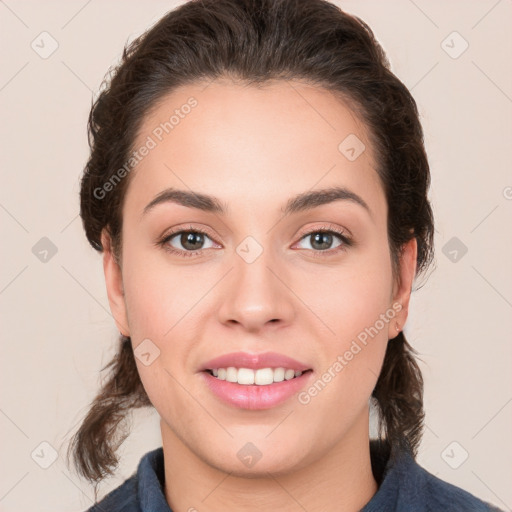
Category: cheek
<point>168,305</point>
<point>159,296</point>
<point>355,309</point>
<point>351,296</point>
<point>161,302</point>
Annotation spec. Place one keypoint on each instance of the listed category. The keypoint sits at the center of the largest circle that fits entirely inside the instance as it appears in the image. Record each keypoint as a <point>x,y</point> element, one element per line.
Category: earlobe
<point>114,285</point>
<point>403,288</point>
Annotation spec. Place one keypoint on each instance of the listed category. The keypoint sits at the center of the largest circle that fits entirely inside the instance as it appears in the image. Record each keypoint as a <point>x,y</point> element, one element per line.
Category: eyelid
<point>179,229</point>
<point>326,227</point>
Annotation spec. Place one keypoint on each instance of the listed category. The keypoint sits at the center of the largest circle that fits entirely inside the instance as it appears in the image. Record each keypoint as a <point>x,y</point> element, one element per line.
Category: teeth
<point>231,374</point>
<point>289,374</point>
<point>279,374</point>
<point>245,375</point>
<point>260,377</point>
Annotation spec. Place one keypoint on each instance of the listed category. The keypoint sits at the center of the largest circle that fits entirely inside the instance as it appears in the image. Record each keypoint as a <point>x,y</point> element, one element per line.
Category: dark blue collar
<point>404,486</point>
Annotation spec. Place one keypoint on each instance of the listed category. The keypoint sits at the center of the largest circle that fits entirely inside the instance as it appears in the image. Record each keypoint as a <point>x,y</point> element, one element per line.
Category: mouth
<point>258,377</point>
<point>255,381</point>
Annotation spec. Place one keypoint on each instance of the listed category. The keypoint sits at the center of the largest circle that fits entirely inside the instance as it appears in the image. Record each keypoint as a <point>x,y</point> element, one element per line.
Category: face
<point>257,267</point>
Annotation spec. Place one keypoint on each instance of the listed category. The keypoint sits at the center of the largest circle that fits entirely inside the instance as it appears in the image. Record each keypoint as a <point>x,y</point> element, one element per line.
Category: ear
<point>403,286</point>
<point>114,284</point>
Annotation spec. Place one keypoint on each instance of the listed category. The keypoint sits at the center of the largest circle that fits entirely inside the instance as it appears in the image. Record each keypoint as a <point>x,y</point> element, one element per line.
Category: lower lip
<point>253,396</point>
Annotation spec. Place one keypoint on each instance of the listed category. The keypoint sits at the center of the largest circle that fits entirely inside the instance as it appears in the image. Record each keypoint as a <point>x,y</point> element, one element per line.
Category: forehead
<point>244,142</point>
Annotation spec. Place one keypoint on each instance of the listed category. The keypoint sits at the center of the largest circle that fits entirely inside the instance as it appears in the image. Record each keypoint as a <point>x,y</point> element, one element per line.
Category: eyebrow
<point>299,203</point>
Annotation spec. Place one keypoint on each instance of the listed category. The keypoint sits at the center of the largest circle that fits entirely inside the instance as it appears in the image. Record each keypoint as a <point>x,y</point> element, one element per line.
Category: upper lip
<point>254,361</point>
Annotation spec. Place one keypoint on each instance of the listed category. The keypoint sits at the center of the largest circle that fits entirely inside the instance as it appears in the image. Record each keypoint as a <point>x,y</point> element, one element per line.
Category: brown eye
<point>191,240</point>
<point>187,242</point>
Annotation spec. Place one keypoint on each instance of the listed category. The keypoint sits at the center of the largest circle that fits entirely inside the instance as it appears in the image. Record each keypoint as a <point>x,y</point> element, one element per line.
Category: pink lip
<point>255,361</point>
<point>255,397</point>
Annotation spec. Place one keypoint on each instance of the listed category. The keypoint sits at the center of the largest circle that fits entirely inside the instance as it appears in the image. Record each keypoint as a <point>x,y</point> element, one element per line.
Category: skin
<point>254,148</point>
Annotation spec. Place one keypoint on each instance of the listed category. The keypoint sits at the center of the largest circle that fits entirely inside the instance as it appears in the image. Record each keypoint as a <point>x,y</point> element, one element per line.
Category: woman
<point>257,185</point>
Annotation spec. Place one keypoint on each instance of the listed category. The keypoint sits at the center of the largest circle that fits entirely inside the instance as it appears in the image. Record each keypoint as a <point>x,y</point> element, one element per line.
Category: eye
<point>186,242</point>
<point>191,242</point>
<point>321,240</point>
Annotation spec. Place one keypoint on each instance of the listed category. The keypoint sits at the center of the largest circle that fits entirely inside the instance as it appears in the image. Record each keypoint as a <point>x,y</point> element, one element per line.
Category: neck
<point>340,480</point>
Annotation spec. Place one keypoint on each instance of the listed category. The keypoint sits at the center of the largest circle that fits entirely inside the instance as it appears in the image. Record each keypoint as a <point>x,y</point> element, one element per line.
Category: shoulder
<point>441,495</point>
<point>122,498</point>
<point>431,494</point>
<point>142,491</point>
<point>406,486</point>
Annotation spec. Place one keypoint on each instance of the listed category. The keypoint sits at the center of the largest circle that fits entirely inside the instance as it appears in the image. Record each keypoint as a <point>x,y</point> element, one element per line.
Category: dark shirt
<point>404,486</point>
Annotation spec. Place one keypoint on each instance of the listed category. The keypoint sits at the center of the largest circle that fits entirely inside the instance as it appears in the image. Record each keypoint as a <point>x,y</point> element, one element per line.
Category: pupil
<point>188,240</point>
<point>320,238</point>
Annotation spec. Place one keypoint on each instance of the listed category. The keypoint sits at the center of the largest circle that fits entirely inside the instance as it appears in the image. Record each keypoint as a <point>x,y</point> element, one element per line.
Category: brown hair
<point>255,41</point>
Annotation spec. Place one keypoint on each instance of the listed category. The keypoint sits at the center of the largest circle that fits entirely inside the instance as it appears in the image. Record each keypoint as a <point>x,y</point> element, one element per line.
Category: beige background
<point>56,328</point>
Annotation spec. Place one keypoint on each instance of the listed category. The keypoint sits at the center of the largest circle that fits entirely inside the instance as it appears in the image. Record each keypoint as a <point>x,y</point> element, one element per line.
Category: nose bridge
<point>253,295</point>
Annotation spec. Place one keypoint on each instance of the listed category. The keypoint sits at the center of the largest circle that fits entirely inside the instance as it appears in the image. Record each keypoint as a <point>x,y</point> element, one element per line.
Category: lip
<point>255,361</point>
<point>253,396</point>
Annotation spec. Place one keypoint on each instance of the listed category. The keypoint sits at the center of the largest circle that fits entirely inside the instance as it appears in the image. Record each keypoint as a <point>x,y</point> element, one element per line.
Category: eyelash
<point>342,235</point>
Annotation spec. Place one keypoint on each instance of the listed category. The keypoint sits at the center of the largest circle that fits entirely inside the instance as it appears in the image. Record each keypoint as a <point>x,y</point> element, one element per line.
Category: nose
<point>256,294</point>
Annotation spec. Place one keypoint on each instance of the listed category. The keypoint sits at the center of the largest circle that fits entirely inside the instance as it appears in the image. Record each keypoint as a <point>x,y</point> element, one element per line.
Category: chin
<point>259,466</point>
<point>260,470</point>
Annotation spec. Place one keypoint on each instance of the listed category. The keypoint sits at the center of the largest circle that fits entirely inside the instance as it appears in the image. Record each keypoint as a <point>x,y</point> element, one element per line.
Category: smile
<point>265,395</point>
<point>259,377</point>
